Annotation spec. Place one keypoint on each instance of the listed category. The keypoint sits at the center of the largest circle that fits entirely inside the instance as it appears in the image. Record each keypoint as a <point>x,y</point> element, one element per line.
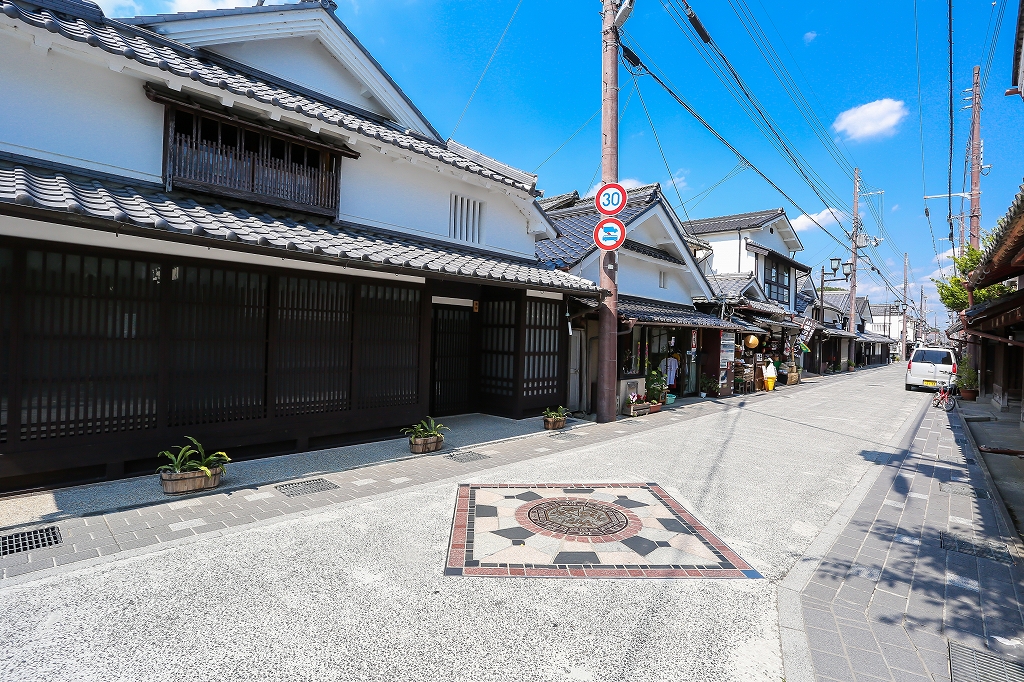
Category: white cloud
<point>874,119</point>
<point>823,218</point>
<point>809,37</point>
<point>895,207</point>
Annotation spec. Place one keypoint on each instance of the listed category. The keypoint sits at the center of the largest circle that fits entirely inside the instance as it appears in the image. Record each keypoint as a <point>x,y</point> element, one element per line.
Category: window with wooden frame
<point>776,280</point>
<point>213,153</point>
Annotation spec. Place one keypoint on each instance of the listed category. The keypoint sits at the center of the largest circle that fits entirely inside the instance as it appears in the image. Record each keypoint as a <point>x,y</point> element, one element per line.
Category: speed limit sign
<point>610,199</point>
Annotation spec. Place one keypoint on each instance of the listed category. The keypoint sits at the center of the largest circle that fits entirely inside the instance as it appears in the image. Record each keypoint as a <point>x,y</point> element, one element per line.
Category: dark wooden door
<point>454,360</point>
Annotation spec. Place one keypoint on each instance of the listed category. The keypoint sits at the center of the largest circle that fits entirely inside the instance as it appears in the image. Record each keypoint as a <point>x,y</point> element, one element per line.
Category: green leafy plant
<point>427,428</point>
<point>193,458</point>
<point>952,291</point>
<point>556,412</point>
<point>707,384</point>
<point>656,383</point>
<point>850,363</point>
<point>966,376</point>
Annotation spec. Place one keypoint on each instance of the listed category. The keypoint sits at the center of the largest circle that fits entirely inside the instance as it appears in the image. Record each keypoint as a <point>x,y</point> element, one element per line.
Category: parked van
<point>930,366</point>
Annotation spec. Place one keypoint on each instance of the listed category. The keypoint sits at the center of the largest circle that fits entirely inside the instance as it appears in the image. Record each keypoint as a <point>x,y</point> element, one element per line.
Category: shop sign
<point>693,339</point>
<point>728,349</point>
<point>806,330</point>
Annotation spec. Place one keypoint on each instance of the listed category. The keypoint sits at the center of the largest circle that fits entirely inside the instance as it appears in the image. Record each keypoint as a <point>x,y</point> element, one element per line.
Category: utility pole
<point>976,160</point>
<point>608,311</point>
<point>852,325</point>
<point>903,306</point>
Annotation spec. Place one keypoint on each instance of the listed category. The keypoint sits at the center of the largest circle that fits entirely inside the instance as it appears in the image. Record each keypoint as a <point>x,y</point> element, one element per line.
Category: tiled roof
<point>838,300</point>
<point>645,310</point>
<point>802,301</point>
<point>162,214</point>
<point>768,322</point>
<point>747,326</point>
<point>1005,243</point>
<point>731,223</point>
<point>575,218</point>
<point>872,337</point>
<point>761,248</point>
<point>842,333</point>
<point>76,21</point>
<point>730,285</point>
<point>650,251</point>
<point>769,307</point>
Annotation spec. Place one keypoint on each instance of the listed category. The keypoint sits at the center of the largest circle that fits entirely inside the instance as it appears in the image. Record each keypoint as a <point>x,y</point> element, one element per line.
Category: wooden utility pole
<point>608,313</point>
<point>852,324</point>
<point>975,240</point>
<point>903,307</point>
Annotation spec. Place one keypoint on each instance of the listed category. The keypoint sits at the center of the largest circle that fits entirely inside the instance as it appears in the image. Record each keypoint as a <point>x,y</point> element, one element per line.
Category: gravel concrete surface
<point>356,592</point>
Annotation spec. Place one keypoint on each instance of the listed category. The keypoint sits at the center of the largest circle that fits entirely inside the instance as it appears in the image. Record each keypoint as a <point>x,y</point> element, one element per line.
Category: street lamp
<point>847,269</point>
<point>834,262</point>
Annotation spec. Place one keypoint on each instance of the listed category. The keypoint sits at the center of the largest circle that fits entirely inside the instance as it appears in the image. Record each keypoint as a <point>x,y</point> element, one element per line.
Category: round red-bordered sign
<point>610,199</point>
<point>609,234</point>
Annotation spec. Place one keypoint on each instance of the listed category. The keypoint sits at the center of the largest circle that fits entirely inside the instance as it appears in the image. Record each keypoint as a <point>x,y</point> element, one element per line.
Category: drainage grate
<point>565,436</point>
<point>313,485</point>
<point>968,665</point>
<point>964,489</point>
<point>964,544</point>
<point>465,456</point>
<point>30,539</point>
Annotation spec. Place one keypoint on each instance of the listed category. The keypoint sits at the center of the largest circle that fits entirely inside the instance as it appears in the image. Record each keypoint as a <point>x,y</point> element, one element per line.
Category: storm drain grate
<point>996,551</point>
<point>964,489</point>
<point>565,436</point>
<point>313,485</point>
<point>968,665</point>
<point>28,540</point>
<point>465,456</point>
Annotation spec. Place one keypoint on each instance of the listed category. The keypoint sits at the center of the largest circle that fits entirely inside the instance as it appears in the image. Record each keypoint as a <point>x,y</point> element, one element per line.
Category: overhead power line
<point>920,129</point>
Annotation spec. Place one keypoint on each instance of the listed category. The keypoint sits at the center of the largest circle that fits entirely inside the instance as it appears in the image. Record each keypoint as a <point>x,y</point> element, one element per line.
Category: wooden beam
<point>1001,339</point>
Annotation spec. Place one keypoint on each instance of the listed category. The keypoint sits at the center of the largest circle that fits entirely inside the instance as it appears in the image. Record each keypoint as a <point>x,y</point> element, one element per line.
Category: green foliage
<point>556,412</point>
<point>707,384</point>
<point>427,428</point>
<point>193,458</point>
<point>656,383</point>
<point>952,291</point>
<point>966,376</point>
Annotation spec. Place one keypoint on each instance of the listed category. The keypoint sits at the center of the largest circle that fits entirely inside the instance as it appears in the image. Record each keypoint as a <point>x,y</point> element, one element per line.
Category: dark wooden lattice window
<point>314,346</point>
<point>6,309</point>
<point>388,351</point>
<point>219,343</point>
<point>454,360</point>
<point>497,347</point>
<point>90,345</point>
<point>542,357</point>
<point>776,280</point>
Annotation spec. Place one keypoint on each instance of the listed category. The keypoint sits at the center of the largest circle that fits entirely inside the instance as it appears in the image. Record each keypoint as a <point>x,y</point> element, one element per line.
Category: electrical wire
<point>622,112</point>
<point>920,128</point>
<point>706,192</point>
<point>570,139</point>
<point>481,79</point>
<point>992,43</point>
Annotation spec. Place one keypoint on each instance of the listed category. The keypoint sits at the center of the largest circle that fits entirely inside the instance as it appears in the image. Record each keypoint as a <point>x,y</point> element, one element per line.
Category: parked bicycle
<point>945,397</point>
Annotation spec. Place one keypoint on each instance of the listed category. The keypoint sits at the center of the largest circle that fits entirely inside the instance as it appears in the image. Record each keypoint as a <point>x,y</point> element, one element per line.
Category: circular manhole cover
<point>569,517</point>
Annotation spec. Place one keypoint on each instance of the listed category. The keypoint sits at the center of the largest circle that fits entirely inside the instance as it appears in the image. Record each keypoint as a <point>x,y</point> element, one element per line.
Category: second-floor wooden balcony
<point>207,154</point>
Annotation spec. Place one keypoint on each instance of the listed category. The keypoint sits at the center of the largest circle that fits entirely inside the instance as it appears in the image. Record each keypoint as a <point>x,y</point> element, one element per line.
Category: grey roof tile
<point>780,256</point>
<point>152,50</point>
<point>731,223</point>
<point>183,214</point>
<point>645,310</point>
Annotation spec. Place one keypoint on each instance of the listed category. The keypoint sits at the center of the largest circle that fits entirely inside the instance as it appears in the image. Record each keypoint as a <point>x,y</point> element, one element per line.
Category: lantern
<point>751,341</point>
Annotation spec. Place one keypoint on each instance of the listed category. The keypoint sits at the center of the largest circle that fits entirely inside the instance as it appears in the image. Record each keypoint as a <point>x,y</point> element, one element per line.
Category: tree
<point>952,291</point>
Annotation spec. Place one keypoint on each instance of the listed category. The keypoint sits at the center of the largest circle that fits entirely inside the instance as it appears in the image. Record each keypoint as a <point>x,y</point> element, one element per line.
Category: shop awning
<point>767,322</point>
<point>841,333</point>
<point>748,327</point>
<point>672,315</point>
<point>871,337</point>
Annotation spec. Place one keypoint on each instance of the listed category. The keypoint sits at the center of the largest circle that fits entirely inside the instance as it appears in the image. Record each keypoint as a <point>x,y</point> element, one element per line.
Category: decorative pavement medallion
<point>592,530</point>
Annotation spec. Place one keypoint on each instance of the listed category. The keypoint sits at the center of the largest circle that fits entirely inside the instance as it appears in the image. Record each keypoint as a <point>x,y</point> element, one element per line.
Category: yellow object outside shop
<point>769,383</point>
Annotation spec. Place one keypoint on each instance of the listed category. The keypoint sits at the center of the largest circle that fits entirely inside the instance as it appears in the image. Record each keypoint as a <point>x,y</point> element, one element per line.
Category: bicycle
<point>945,397</point>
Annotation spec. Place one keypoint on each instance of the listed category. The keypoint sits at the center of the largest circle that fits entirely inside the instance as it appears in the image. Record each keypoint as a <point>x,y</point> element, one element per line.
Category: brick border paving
<point>887,596</point>
<point>102,537</point>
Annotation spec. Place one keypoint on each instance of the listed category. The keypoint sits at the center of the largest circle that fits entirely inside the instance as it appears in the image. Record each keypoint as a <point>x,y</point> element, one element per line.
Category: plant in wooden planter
<point>637,406</point>
<point>967,379</point>
<point>657,385</point>
<point>554,417</point>
<point>425,436</point>
<point>191,469</point>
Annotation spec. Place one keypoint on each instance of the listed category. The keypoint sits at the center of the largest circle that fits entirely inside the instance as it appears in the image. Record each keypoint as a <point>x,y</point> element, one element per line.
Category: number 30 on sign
<point>610,199</point>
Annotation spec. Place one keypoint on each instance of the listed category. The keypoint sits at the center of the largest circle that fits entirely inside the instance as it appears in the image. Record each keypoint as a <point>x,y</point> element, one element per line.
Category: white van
<point>930,366</point>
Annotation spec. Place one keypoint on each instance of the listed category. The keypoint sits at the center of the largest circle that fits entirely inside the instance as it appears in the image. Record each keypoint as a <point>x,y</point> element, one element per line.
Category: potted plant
<point>637,406</point>
<point>191,469</point>
<point>707,385</point>
<point>657,385</point>
<point>850,366</point>
<point>425,436</point>
<point>967,379</point>
<point>554,417</point>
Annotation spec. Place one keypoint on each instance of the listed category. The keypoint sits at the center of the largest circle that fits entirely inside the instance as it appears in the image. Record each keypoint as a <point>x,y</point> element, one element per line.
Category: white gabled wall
<point>80,113</point>
<point>639,276</point>
<point>304,61</point>
<point>390,192</point>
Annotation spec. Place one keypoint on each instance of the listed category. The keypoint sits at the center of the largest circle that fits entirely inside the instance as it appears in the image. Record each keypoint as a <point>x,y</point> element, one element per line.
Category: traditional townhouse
<point>658,279</point>
<point>234,225</point>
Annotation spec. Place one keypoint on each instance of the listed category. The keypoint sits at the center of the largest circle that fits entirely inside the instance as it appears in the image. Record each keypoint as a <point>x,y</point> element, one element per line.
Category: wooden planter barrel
<point>637,409</point>
<point>970,394</point>
<point>189,481</point>
<point>553,423</point>
<point>419,446</point>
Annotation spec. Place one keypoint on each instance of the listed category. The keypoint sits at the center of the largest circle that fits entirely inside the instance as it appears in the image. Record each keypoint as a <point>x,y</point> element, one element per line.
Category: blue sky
<point>544,83</point>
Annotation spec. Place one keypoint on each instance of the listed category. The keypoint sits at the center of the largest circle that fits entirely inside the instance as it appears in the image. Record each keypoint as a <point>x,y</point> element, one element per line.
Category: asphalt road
<point>356,592</point>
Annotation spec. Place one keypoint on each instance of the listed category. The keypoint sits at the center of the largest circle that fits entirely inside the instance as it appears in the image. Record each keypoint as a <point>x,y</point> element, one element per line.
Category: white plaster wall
<point>729,254</point>
<point>396,195</point>
<point>304,61</point>
<point>639,277</point>
<point>70,111</point>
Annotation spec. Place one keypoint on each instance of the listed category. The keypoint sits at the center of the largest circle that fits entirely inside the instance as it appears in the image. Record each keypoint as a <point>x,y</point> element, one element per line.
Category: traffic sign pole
<point>608,313</point>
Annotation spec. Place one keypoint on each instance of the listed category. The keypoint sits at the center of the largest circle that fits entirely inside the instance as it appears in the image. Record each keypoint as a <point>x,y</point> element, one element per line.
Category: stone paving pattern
<point>887,595</point>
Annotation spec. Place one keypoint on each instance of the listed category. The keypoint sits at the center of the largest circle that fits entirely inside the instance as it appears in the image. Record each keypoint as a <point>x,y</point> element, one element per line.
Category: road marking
<point>894,503</point>
<point>182,525</point>
<point>918,496</point>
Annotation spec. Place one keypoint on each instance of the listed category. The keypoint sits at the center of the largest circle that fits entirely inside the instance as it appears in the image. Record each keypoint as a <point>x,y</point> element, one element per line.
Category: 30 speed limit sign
<point>611,198</point>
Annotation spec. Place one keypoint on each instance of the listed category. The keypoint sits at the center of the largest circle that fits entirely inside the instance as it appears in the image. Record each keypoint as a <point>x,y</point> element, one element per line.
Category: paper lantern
<point>751,341</point>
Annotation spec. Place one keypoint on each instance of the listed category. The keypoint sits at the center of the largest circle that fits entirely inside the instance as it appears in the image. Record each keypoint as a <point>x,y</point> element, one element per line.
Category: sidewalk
<point>926,568</point>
